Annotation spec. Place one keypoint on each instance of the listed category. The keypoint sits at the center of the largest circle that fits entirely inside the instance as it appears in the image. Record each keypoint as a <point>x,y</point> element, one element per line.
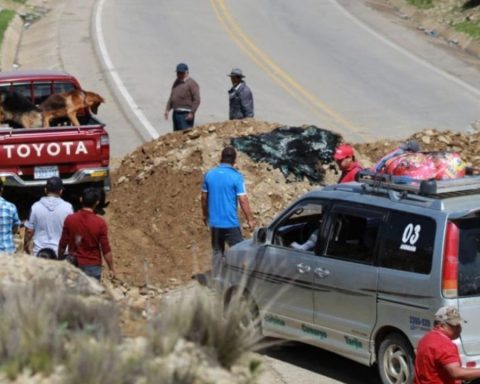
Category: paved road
<point>308,61</point>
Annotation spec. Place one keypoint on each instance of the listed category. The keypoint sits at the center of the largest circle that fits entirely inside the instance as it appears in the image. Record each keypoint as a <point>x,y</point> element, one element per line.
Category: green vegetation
<point>6,16</point>
<point>471,28</point>
<point>423,4</point>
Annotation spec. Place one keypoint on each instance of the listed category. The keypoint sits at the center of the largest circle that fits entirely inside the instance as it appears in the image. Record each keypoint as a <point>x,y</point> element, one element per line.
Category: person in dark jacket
<point>184,99</point>
<point>240,96</point>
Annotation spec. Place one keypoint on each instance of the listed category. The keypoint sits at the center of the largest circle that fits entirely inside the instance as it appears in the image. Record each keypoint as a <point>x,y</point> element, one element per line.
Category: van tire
<point>249,314</point>
<point>395,360</point>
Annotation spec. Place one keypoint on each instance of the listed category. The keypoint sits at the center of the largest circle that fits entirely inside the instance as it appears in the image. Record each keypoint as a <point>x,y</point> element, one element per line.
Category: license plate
<point>45,172</point>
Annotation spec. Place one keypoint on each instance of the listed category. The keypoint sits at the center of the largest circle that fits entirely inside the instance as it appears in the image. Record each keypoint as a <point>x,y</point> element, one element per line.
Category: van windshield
<point>469,257</point>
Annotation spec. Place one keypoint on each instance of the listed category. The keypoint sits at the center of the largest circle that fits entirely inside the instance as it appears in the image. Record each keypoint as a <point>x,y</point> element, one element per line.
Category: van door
<point>345,279</point>
<point>469,283</point>
<point>284,271</point>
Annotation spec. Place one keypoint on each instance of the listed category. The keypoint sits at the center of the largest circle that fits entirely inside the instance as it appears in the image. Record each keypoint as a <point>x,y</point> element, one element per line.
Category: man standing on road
<point>86,236</point>
<point>9,223</point>
<point>223,188</point>
<point>45,223</point>
<point>345,158</point>
<point>240,96</point>
<point>184,99</point>
<point>437,360</point>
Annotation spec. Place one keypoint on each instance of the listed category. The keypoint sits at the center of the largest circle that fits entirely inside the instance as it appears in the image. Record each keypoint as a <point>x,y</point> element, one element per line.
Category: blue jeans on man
<point>94,271</point>
<point>220,236</point>
<point>180,121</point>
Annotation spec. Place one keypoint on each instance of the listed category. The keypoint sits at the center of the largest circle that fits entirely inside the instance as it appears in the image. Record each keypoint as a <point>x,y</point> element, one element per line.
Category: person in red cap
<point>345,158</point>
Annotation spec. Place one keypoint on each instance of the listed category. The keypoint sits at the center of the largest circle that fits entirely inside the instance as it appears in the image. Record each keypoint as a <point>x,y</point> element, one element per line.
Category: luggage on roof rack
<point>423,187</point>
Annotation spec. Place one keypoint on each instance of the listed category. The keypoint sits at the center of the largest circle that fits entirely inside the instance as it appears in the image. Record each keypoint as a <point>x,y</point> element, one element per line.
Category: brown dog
<point>68,104</point>
<point>17,110</point>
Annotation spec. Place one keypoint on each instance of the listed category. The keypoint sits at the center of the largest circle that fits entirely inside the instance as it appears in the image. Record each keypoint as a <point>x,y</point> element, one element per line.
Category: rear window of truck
<point>469,257</point>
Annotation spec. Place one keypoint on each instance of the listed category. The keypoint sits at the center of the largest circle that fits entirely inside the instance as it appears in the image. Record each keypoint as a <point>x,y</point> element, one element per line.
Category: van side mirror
<point>260,235</point>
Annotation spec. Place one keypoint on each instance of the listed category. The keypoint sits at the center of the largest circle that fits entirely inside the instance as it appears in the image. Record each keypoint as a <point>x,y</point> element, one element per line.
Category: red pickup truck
<point>78,154</point>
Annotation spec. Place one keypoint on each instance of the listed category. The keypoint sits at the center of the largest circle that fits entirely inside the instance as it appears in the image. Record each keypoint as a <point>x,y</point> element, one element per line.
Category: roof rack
<point>421,187</point>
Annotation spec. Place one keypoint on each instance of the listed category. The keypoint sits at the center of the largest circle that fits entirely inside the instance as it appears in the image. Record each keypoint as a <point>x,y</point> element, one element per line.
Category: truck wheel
<point>395,360</point>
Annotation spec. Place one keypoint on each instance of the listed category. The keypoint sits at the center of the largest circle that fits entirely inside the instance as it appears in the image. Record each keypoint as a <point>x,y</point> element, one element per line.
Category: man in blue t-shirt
<point>222,189</point>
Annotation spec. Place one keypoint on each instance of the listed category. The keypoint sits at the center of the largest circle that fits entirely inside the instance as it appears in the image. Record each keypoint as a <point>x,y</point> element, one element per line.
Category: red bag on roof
<point>408,161</point>
<point>426,165</point>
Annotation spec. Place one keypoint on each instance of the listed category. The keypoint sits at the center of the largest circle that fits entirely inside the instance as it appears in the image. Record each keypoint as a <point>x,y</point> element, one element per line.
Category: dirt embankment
<point>156,228</point>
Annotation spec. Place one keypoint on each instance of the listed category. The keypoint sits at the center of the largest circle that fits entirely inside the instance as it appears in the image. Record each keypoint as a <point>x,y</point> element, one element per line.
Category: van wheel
<point>395,360</point>
<point>247,314</point>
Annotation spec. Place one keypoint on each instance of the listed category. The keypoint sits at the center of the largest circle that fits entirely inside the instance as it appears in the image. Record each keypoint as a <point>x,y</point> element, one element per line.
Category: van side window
<point>300,229</point>
<point>354,236</point>
<point>469,257</point>
<point>408,241</point>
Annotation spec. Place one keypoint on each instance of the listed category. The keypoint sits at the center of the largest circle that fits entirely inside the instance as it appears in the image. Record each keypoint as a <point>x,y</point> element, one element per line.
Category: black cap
<point>54,184</point>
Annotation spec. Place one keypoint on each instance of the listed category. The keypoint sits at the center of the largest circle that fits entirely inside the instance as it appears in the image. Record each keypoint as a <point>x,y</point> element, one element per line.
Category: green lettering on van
<point>274,320</point>
<point>353,342</point>
<point>315,332</point>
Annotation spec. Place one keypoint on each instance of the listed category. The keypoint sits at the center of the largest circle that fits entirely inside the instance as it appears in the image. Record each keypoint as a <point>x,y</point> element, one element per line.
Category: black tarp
<point>295,151</point>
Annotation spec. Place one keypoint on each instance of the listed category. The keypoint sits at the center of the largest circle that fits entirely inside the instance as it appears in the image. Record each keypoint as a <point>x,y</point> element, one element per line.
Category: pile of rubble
<point>155,218</point>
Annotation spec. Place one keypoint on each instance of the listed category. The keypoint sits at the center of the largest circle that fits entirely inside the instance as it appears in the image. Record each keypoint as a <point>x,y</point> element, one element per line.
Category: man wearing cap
<point>345,158</point>
<point>240,96</point>
<point>437,360</point>
<point>184,99</point>
<point>9,223</point>
<point>47,216</point>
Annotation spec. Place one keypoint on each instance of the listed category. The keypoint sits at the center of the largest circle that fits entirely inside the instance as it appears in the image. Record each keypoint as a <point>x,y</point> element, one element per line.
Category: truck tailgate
<point>36,153</point>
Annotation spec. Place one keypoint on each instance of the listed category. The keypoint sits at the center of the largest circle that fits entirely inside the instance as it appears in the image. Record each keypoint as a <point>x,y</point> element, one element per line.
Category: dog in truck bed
<point>68,104</point>
<point>17,110</point>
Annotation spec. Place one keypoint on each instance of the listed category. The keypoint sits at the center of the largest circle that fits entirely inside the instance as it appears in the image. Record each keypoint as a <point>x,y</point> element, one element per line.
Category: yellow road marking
<point>277,74</point>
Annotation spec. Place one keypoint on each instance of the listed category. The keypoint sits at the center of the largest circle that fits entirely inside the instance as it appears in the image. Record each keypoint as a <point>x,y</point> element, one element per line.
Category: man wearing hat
<point>345,158</point>
<point>47,216</point>
<point>437,360</point>
<point>240,96</point>
<point>184,99</point>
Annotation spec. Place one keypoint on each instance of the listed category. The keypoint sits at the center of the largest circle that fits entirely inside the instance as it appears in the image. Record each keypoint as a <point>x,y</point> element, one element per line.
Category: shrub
<point>423,4</point>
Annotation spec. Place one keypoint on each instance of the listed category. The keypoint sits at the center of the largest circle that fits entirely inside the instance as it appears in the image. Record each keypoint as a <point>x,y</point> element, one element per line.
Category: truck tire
<point>395,360</point>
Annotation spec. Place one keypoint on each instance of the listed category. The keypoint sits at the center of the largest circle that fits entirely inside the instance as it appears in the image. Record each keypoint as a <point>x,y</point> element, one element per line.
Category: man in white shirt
<point>45,223</point>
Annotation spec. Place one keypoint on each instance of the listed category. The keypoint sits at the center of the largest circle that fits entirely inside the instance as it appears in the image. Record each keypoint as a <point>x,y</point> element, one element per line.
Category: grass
<point>6,16</point>
<point>471,28</point>
<point>42,328</point>
<point>422,4</point>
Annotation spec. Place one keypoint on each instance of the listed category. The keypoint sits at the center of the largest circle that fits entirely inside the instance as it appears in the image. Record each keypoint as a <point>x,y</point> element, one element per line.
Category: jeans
<point>94,271</point>
<point>220,236</point>
<point>180,121</point>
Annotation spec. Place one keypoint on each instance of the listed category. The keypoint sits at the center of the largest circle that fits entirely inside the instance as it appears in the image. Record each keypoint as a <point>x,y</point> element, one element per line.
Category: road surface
<point>328,63</point>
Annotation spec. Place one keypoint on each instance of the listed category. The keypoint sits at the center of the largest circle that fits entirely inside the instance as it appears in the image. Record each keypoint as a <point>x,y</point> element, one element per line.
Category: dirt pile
<point>156,229</point>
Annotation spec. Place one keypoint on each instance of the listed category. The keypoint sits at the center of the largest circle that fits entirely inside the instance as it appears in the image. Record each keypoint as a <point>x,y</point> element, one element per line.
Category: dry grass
<point>42,328</point>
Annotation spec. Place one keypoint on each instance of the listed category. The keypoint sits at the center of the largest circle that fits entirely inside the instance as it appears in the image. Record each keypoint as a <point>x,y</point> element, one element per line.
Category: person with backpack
<point>86,236</point>
<point>45,223</point>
